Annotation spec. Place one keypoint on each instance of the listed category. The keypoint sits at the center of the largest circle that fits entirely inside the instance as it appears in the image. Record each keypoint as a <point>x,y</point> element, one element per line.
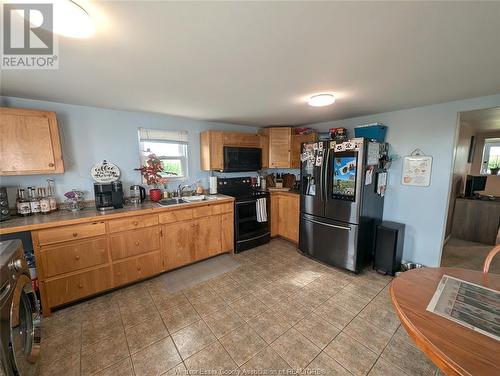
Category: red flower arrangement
<point>151,171</point>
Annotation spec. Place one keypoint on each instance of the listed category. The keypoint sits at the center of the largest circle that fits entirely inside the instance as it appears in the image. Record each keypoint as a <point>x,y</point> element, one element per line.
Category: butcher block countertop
<point>64,217</point>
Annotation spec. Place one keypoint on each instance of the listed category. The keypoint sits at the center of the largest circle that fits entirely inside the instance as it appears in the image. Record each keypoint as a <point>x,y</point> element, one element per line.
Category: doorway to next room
<point>472,226</point>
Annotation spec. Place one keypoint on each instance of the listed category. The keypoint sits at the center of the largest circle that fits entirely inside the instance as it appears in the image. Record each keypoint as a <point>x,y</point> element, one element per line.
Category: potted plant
<point>494,166</point>
<point>151,173</point>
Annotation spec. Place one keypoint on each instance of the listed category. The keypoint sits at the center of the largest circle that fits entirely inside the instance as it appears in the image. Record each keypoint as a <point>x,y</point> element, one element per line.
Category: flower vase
<point>155,194</point>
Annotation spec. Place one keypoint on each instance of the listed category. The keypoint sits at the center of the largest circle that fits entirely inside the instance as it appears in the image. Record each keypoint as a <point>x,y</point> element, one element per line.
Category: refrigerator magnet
<point>339,147</point>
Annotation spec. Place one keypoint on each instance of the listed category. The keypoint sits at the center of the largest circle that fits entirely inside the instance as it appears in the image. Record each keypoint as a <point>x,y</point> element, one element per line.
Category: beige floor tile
<point>291,310</point>
<point>212,360</point>
<point>122,368</point>
<point>137,312</point>
<point>351,354</point>
<point>208,304</point>
<point>193,338</point>
<point>349,301</point>
<point>248,307</point>
<point>103,353</point>
<point>223,321</point>
<point>59,324</point>
<point>362,289</point>
<point>383,368</point>
<point>101,327</point>
<point>269,325</point>
<point>231,292</point>
<point>200,290</point>
<point>408,357</point>
<point>178,370</point>
<point>242,343</point>
<point>68,365</point>
<point>144,334</point>
<point>325,365</point>
<point>295,349</point>
<point>179,317</point>
<point>369,335</point>
<point>156,359</point>
<point>334,314</point>
<point>59,346</point>
<point>164,300</point>
<point>266,362</point>
<point>269,295</point>
<point>381,318</point>
<point>317,330</point>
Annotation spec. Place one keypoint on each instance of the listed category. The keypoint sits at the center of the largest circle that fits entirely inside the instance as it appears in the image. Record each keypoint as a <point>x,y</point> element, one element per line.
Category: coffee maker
<point>108,196</point>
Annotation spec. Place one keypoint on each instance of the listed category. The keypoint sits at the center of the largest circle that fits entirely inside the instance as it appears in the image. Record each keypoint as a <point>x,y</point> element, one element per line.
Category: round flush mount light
<point>69,18</point>
<point>321,100</point>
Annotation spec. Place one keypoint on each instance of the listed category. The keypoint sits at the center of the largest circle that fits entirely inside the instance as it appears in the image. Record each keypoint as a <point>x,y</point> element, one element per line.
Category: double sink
<point>183,200</point>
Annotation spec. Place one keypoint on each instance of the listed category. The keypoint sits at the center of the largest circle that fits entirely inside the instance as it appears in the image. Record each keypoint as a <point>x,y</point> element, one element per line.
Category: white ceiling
<point>482,120</point>
<point>257,62</point>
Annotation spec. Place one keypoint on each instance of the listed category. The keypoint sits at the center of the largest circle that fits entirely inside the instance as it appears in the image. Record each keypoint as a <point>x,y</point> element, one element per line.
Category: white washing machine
<point>20,316</point>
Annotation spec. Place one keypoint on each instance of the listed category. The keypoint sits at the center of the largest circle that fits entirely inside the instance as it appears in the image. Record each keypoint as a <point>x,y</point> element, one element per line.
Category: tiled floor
<point>280,312</point>
<point>459,253</point>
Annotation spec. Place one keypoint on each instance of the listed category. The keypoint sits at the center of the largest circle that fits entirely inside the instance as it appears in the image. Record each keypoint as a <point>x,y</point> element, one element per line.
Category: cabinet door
<point>275,199</point>
<point>208,237</point>
<point>279,147</point>
<point>29,142</point>
<point>136,268</point>
<point>227,232</point>
<point>135,242</point>
<point>178,244</point>
<point>297,140</point>
<point>264,144</point>
<point>288,217</point>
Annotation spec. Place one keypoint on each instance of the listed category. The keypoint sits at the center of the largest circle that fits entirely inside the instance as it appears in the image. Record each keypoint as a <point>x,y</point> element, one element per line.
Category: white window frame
<point>169,137</point>
<point>488,144</point>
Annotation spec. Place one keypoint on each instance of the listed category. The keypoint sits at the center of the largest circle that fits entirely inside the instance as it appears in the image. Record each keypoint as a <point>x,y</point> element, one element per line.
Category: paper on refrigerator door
<point>382,183</point>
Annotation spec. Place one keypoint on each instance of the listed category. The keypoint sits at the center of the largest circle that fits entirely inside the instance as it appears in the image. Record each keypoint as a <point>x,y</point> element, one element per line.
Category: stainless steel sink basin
<point>171,201</point>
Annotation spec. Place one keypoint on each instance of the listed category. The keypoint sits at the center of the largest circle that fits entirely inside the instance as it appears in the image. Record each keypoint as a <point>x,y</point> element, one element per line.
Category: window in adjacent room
<point>491,156</point>
<point>170,146</point>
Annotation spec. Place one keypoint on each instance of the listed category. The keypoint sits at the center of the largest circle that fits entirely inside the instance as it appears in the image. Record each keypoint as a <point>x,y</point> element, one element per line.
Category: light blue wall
<point>422,209</point>
<point>91,134</point>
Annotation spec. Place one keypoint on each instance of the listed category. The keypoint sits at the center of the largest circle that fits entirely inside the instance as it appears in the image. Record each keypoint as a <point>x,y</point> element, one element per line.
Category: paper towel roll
<point>213,185</point>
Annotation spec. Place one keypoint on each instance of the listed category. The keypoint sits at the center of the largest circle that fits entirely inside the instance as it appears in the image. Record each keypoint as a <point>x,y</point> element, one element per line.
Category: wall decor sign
<point>417,169</point>
<point>105,172</point>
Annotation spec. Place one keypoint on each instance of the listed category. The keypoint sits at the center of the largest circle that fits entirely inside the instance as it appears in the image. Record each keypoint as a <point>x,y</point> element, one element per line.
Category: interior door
<point>178,245</point>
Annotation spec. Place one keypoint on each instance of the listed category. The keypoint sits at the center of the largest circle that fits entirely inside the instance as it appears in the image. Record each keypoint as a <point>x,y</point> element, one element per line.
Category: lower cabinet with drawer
<point>135,242</point>
<point>63,290</point>
<point>136,268</point>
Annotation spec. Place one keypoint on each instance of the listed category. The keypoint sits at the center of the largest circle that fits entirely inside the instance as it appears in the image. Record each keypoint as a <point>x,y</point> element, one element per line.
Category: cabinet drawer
<point>176,216</point>
<point>202,211</point>
<point>67,289</point>
<point>132,223</point>
<point>135,242</point>
<point>222,208</point>
<point>136,268</point>
<point>73,256</point>
<point>66,233</point>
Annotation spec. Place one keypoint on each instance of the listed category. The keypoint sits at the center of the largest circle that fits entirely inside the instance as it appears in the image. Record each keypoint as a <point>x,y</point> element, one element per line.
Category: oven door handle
<point>245,202</point>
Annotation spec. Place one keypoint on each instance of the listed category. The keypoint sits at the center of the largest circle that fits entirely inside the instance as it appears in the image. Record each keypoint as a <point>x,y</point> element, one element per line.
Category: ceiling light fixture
<point>321,100</point>
<point>70,19</point>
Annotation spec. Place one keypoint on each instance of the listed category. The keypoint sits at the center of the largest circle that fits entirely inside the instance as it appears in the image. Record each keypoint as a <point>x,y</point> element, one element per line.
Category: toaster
<point>4,204</point>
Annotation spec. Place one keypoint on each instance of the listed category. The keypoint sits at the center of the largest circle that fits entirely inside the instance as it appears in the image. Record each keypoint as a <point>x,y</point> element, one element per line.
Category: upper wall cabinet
<point>284,146</point>
<point>212,146</point>
<point>29,142</point>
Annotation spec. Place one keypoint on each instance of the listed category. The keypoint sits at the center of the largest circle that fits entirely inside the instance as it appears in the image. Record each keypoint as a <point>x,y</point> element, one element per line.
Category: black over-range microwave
<point>238,159</point>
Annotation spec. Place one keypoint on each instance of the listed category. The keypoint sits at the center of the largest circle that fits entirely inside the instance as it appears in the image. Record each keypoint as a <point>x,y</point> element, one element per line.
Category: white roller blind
<point>159,135</point>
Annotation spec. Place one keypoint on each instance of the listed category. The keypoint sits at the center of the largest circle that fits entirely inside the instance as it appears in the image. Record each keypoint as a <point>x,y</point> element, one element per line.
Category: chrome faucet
<point>180,188</point>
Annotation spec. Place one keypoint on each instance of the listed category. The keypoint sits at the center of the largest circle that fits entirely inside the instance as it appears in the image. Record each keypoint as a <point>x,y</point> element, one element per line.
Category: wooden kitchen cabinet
<point>178,245</point>
<point>284,146</point>
<point>136,268</point>
<point>227,231</point>
<point>208,237</point>
<point>29,142</point>
<point>212,146</point>
<point>285,211</point>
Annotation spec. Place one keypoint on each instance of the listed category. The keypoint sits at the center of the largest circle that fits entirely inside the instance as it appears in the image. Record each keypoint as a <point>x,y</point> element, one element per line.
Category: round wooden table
<point>455,349</point>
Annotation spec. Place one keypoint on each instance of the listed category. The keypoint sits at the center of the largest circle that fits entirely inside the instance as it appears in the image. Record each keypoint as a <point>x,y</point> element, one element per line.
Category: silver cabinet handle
<point>328,225</point>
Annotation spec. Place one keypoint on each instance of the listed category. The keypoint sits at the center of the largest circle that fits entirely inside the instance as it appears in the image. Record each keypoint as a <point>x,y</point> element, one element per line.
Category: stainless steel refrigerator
<point>340,204</point>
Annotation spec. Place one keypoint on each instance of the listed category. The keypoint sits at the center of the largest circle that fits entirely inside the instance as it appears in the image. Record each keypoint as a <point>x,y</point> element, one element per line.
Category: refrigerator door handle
<point>324,178</point>
<point>328,224</point>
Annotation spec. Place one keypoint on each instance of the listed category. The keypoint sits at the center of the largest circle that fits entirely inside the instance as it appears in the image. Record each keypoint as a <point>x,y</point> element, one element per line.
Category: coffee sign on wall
<point>105,172</point>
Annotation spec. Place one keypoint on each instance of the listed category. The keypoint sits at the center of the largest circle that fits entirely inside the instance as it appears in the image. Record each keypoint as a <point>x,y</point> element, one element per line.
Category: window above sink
<point>171,147</point>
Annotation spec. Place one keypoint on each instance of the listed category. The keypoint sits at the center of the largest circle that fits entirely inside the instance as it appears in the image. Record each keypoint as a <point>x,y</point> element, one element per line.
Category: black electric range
<point>249,230</point>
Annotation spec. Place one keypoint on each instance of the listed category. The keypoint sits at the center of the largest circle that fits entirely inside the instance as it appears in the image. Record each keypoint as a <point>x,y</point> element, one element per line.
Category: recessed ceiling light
<point>321,100</point>
<point>70,19</point>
